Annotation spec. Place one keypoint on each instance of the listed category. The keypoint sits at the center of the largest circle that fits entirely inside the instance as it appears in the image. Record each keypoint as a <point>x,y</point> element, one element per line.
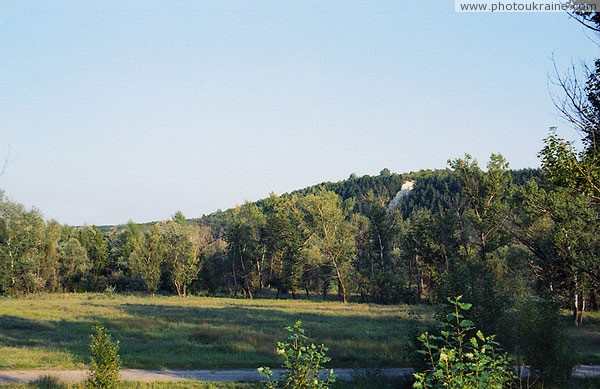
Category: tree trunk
<point>341,285</point>
<point>576,309</point>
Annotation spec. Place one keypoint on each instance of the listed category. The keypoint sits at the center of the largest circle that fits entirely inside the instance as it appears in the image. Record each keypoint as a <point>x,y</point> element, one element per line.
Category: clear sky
<point>118,110</point>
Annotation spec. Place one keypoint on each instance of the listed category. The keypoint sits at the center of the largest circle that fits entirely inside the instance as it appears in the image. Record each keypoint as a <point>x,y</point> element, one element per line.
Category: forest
<point>521,245</point>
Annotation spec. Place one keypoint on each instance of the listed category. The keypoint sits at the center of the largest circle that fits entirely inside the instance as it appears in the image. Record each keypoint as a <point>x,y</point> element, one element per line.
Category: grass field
<point>52,331</point>
<point>585,339</point>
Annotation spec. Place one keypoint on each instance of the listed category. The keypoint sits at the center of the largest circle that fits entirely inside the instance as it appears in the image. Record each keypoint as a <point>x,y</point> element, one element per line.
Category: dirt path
<point>25,376</point>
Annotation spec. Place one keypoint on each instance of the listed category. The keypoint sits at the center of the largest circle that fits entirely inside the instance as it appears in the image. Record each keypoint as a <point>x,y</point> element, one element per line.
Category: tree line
<point>362,238</point>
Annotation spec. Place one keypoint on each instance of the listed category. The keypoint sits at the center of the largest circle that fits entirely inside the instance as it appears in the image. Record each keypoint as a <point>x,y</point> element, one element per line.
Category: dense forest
<point>519,244</point>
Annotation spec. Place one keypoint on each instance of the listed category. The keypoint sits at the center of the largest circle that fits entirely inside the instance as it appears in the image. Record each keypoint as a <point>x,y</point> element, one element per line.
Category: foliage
<point>330,241</point>
<point>303,364</point>
<point>457,359</point>
<point>21,248</point>
<point>105,363</point>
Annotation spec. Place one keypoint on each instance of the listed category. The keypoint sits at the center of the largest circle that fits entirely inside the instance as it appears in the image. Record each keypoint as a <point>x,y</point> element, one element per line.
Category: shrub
<point>48,382</point>
<point>303,364</point>
<point>105,363</point>
<point>455,360</point>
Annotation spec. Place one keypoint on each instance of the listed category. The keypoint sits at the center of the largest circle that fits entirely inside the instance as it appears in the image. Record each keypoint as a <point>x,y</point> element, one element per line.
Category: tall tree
<point>21,247</point>
<point>284,242</point>
<point>147,258</point>
<point>74,264</point>
<point>180,253</point>
<point>92,239</point>
<point>330,233</point>
<point>246,248</point>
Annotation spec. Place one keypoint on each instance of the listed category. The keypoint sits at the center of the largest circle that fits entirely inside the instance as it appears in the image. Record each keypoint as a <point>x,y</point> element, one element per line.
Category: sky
<point>131,110</point>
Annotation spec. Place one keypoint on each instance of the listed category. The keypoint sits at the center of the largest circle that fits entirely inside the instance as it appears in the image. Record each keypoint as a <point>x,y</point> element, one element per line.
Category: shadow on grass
<point>155,336</point>
<point>47,335</point>
<point>230,337</point>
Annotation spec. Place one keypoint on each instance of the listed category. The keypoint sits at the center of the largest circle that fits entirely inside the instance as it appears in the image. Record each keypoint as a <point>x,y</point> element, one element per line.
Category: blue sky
<point>118,110</point>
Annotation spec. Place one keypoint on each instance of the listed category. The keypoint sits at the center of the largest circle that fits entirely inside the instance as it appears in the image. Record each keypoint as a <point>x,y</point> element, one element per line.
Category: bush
<point>48,382</point>
<point>455,359</point>
<point>105,363</point>
<point>303,364</point>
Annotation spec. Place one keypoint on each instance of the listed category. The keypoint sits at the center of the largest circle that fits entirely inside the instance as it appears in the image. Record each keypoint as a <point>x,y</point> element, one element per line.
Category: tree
<point>246,248</point>
<point>92,239</point>
<point>181,252</point>
<point>284,242</point>
<point>330,234</point>
<point>487,194</point>
<point>560,228</point>
<point>376,230</point>
<point>21,247</point>
<point>105,364</point>
<point>147,258</point>
<point>74,264</point>
<point>576,174</point>
<point>481,228</point>
<point>48,266</point>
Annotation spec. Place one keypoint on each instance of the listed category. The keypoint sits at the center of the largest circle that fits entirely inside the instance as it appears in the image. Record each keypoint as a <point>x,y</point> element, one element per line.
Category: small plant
<point>303,364</point>
<point>48,382</point>
<point>453,361</point>
<point>110,290</point>
<point>105,363</point>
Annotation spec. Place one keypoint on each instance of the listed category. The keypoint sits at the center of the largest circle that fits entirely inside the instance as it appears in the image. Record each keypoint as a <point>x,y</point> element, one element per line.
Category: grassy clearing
<point>52,331</point>
<point>585,339</point>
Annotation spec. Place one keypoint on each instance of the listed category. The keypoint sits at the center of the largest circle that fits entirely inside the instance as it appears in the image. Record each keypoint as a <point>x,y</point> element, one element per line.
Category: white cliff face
<point>408,185</point>
<point>404,191</point>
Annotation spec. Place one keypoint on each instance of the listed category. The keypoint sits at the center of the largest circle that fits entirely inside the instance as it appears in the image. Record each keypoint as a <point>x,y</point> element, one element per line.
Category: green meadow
<point>53,331</point>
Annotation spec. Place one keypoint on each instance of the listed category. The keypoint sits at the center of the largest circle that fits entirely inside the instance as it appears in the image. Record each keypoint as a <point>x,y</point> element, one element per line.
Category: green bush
<point>48,382</point>
<point>105,363</point>
<point>303,364</point>
<point>456,359</point>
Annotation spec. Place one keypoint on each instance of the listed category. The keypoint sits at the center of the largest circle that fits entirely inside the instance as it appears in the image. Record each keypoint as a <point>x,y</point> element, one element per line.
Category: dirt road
<point>24,376</point>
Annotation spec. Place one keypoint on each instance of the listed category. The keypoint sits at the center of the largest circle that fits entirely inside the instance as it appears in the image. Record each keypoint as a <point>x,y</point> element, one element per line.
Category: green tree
<point>21,247</point>
<point>246,248</point>
<point>105,364</point>
<point>147,258</point>
<point>330,234</point>
<point>284,243</point>
<point>92,239</point>
<point>487,194</point>
<point>48,267</point>
<point>482,230</point>
<point>560,229</point>
<point>577,174</point>
<point>376,231</point>
<point>74,264</point>
<point>182,246</point>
